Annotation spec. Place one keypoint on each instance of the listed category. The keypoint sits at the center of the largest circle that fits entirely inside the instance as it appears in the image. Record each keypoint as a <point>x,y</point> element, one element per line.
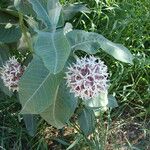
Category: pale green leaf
<point>54,10</point>
<point>91,42</point>
<point>48,11</point>
<point>100,101</point>
<point>70,10</point>
<point>53,48</point>
<point>86,120</point>
<point>40,7</point>
<point>112,102</point>
<point>63,107</point>
<point>61,21</point>
<point>25,7</point>
<point>37,87</point>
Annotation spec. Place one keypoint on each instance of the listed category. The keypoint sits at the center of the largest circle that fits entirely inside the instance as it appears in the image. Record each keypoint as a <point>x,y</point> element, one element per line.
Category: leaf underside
<point>62,108</point>
<point>54,50</point>
<point>86,121</point>
<point>91,42</point>
<point>37,87</point>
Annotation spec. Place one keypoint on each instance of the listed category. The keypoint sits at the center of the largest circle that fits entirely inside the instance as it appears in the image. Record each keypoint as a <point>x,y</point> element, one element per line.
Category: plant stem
<point>24,31</point>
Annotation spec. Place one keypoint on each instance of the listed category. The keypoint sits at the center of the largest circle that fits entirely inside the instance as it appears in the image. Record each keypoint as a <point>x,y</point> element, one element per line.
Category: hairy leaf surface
<point>25,7</point>
<point>54,10</point>
<point>100,101</point>
<point>86,121</point>
<point>48,11</point>
<point>62,109</point>
<point>40,7</point>
<point>90,42</point>
<point>37,87</point>
<point>54,50</point>
<point>70,10</point>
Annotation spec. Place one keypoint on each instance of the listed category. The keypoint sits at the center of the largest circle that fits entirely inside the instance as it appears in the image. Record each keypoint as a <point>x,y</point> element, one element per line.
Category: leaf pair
<point>54,48</point>
<point>48,12</point>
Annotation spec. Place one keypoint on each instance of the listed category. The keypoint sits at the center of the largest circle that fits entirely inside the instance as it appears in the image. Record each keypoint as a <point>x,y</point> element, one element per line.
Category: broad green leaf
<point>90,42</point>
<point>62,108</point>
<point>9,35</point>
<point>9,28</point>
<point>100,101</point>
<point>53,48</point>
<point>70,10</point>
<point>30,123</point>
<point>40,7</point>
<point>112,102</point>
<point>54,10</point>
<point>4,56</point>
<point>37,87</point>
<point>25,7</point>
<point>7,18</point>
<point>86,121</point>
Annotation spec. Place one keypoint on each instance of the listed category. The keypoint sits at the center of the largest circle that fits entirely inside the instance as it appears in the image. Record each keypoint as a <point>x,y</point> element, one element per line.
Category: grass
<point>125,22</point>
<point>128,126</point>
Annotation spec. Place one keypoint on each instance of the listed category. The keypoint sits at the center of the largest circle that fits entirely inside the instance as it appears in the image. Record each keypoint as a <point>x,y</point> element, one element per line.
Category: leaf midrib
<point>44,12</point>
<point>83,43</point>
<point>109,43</point>
<point>54,105</point>
<point>56,54</point>
<point>36,91</point>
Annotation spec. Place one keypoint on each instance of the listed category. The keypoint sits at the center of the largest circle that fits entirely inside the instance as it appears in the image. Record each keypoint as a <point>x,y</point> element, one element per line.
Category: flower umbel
<point>87,77</point>
<point>11,73</point>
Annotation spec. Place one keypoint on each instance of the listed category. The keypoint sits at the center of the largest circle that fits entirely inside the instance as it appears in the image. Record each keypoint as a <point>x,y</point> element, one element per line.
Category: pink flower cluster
<point>11,73</point>
<point>87,77</point>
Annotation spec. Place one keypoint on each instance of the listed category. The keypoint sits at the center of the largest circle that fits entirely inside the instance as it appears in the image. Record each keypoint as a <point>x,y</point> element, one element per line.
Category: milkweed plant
<point>52,80</point>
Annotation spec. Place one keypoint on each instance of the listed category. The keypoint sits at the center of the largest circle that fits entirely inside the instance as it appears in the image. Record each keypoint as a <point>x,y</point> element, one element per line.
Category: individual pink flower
<point>11,73</point>
<point>87,77</point>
